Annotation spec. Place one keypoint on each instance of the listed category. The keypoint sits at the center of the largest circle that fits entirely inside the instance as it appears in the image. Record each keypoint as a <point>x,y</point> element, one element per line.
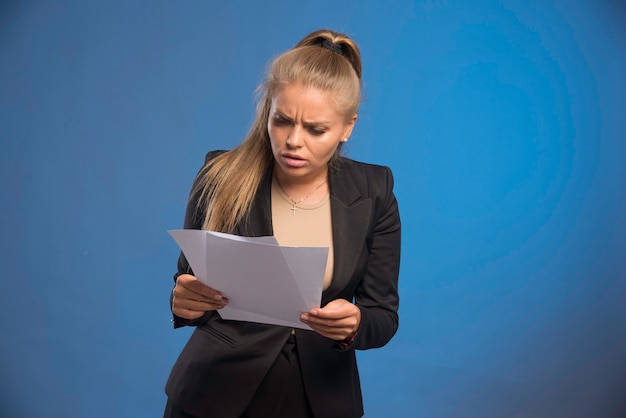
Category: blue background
<point>502,120</point>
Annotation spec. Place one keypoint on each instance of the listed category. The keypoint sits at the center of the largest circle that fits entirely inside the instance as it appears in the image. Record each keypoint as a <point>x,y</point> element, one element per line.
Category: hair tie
<point>325,43</point>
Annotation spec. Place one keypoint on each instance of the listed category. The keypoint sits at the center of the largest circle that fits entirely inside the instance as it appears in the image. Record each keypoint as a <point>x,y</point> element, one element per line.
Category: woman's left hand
<point>338,320</point>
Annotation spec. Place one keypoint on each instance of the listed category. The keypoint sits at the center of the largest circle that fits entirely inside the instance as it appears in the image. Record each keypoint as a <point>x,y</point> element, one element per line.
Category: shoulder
<point>345,163</point>
<point>212,154</point>
<point>354,183</point>
<point>365,176</point>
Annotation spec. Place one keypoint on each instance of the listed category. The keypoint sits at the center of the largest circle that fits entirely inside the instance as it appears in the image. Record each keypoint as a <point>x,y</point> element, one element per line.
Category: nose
<point>294,140</point>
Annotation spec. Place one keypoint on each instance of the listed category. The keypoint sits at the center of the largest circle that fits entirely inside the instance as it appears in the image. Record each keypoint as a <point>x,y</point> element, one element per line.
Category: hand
<point>339,320</point>
<point>193,298</point>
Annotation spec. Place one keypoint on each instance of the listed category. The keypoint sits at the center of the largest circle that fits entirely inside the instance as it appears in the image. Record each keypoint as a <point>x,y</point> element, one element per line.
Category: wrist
<point>347,342</point>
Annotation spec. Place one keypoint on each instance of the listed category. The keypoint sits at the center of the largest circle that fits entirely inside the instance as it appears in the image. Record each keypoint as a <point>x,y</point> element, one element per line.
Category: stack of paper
<point>263,281</point>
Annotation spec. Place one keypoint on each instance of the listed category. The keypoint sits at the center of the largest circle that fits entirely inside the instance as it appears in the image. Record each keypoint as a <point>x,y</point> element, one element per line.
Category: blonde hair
<point>227,184</point>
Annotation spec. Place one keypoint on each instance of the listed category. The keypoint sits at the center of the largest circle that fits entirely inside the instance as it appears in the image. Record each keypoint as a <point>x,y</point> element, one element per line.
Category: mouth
<point>293,160</point>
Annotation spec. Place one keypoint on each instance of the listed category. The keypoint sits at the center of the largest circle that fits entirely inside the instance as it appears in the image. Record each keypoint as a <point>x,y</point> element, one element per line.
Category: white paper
<point>263,281</point>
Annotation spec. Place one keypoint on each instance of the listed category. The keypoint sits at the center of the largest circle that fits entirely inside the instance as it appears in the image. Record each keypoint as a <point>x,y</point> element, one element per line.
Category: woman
<point>287,179</point>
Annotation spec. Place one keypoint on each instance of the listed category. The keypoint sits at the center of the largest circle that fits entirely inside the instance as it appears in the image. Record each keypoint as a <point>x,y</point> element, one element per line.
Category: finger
<point>192,284</point>
<point>187,313</point>
<point>196,305</point>
<point>201,289</point>
<point>192,309</point>
<point>331,328</point>
<point>331,313</point>
<point>190,300</point>
<point>325,324</point>
<point>331,332</point>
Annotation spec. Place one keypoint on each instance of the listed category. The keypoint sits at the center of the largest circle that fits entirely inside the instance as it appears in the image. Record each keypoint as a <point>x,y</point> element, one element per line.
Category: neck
<point>299,191</point>
<point>299,182</point>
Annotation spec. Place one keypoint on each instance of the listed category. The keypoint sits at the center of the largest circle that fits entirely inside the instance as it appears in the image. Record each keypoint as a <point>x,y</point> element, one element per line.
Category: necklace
<point>294,204</point>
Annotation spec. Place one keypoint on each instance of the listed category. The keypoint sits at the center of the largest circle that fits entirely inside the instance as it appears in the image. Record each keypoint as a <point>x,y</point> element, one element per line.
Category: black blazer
<point>223,363</point>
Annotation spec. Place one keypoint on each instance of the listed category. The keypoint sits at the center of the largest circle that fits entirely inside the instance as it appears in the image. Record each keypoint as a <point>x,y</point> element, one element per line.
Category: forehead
<point>305,101</point>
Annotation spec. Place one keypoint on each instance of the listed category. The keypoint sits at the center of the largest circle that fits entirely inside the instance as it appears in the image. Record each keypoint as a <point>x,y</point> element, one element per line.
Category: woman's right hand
<point>191,298</point>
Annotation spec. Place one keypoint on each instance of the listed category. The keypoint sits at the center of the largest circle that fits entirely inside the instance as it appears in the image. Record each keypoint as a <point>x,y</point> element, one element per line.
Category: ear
<point>349,127</point>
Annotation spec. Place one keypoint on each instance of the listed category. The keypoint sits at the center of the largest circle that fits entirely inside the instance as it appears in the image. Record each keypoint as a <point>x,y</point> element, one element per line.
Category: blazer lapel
<point>350,218</point>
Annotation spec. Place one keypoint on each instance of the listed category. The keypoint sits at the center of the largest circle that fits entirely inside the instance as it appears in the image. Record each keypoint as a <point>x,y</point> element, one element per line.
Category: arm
<point>193,303</point>
<point>373,319</point>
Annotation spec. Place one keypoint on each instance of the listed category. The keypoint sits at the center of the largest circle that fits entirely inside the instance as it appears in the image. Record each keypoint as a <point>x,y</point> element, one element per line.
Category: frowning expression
<point>305,128</point>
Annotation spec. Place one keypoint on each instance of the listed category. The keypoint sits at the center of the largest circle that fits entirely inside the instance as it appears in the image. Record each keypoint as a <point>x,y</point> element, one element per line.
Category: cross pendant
<point>294,209</point>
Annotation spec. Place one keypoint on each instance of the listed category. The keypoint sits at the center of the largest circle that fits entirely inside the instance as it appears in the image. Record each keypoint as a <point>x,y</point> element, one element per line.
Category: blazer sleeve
<point>377,294</point>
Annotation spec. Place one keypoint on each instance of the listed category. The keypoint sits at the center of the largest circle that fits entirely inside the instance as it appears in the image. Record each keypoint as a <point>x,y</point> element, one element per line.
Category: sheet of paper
<point>263,281</point>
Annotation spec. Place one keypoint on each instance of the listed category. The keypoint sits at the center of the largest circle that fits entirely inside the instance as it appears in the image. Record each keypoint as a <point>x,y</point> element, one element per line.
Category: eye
<point>317,131</point>
<point>280,120</point>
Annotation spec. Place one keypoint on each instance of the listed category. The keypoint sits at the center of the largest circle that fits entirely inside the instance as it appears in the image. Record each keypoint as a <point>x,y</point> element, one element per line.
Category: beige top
<point>307,226</point>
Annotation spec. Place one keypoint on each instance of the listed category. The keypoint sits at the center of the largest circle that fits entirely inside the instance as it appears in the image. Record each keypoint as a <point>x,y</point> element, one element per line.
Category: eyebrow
<point>305,124</point>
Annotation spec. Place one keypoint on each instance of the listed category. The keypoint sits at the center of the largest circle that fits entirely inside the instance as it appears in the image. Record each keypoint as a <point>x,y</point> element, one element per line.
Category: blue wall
<point>502,120</point>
